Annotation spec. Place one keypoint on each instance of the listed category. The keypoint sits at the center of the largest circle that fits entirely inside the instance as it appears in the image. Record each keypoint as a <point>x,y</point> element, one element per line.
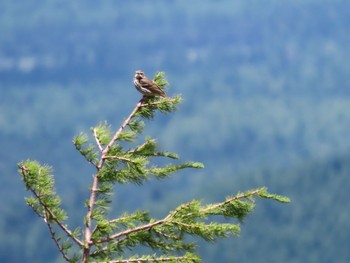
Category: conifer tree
<point>105,239</point>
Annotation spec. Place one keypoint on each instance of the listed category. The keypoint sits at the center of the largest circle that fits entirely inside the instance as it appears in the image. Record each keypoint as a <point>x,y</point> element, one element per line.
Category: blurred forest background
<point>267,103</point>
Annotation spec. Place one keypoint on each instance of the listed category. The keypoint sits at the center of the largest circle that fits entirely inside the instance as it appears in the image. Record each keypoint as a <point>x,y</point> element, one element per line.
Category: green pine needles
<point>104,239</point>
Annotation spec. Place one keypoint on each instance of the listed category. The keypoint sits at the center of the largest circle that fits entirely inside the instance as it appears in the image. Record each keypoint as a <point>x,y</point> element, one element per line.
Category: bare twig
<point>156,103</point>
<point>113,221</point>
<point>119,158</point>
<point>133,230</point>
<point>53,237</point>
<point>63,227</point>
<point>118,132</point>
<point>97,140</point>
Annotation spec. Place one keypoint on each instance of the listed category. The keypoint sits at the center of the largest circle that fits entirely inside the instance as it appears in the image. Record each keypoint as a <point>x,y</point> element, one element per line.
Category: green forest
<point>266,103</point>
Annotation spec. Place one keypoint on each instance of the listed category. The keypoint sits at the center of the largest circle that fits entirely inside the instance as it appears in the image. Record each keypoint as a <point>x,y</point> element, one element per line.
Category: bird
<point>146,86</point>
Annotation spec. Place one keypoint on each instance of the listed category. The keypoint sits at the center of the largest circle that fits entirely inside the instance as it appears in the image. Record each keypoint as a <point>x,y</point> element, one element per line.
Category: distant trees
<point>131,237</point>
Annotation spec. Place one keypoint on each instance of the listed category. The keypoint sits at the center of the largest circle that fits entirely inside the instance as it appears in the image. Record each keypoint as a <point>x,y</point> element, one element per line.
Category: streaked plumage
<point>146,86</point>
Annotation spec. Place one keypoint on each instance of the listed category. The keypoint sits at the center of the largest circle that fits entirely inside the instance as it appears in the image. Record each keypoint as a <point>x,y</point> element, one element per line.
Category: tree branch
<point>118,132</point>
<point>244,195</point>
<point>50,215</point>
<point>133,230</point>
<point>94,188</point>
<point>53,237</point>
<point>63,227</point>
<point>168,218</point>
<point>160,259</point>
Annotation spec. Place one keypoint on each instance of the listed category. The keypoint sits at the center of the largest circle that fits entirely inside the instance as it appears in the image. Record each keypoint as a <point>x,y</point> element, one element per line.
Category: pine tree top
<point>105,239</point>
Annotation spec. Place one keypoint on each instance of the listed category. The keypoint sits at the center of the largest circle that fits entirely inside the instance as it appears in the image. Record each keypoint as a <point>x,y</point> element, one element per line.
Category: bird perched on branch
<point>146,86</point>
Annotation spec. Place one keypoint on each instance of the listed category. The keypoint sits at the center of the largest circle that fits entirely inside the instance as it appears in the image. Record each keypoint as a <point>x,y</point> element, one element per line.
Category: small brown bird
<point>146,86</point>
